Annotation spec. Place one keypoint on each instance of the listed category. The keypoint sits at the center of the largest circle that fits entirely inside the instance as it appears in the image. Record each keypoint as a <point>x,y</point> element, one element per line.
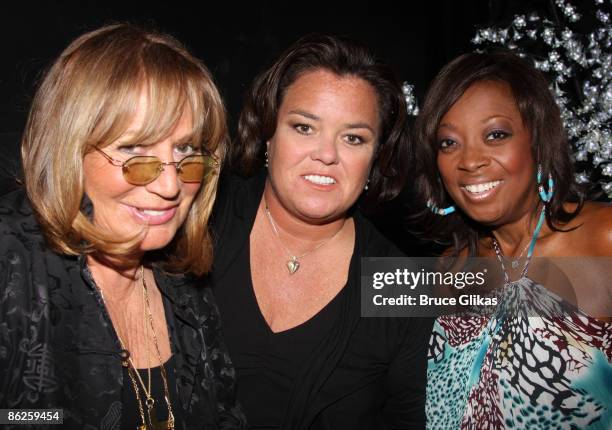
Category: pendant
<point>293,265</point>
<point>154,424</point>
<point>157,425</point>
<point>515,264</point>
<point>125,358</point>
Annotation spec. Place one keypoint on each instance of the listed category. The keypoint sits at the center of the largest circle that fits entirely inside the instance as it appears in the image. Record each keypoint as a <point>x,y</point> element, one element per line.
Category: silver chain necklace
<point>531,246</point>
<point>500,257</point>
<point>515,261</point>
<point>293,264</point>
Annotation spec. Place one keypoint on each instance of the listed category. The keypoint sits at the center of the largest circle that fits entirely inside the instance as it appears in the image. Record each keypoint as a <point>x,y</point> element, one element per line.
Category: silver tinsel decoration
<point>411,101</point>
<point>580,65</point>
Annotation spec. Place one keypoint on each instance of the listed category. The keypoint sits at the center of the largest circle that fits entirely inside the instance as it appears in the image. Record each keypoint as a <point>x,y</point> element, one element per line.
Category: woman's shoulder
<point>18,225</point>
<point>15,205</point>
<point>233,186</point>
<point>23,257</point>
<point>237,197</point>
<point>590,232</point>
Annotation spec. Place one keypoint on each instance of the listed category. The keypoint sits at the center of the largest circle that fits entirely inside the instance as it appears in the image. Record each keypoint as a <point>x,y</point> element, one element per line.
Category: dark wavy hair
<point>539,113</point>
<point>258,118</point>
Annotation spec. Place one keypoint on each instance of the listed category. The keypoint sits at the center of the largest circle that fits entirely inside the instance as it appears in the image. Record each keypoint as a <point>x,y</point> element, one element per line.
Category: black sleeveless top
<point>130,416</point>
<point>266,362</point>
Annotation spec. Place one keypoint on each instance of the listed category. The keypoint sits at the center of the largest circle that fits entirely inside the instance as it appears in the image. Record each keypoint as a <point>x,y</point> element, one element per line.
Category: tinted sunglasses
<point>144,169</point>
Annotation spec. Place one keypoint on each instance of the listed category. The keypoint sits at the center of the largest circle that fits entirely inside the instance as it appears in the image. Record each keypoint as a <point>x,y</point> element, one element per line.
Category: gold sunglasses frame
<point>213,162</point>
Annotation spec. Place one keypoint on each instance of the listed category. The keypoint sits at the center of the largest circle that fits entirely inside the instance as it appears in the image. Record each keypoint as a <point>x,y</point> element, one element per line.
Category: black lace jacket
<point>58,348</point>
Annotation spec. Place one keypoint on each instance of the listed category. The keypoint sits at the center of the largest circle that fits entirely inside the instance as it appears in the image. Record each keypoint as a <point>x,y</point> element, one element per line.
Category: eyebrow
<point>447,125</point>
<point>128,139</point>
<point>453,127</point>
<point>316,118</point>
<point>496,116</point>
<point>360,125</point>
<point>184,139</point>
<point>306,114</point>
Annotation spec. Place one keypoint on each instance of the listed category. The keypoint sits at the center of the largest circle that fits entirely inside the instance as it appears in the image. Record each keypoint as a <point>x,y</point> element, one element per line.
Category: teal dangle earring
<point>440,211</point>
<point>546,196</point>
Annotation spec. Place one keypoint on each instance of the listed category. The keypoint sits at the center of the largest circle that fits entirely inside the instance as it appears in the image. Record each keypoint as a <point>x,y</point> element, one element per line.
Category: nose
<point>326,150</point>
<point>167,185</point>
<point>473,158</point>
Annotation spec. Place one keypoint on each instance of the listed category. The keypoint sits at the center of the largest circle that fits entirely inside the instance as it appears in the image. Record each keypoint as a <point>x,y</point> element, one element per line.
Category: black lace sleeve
<point>23,305</point>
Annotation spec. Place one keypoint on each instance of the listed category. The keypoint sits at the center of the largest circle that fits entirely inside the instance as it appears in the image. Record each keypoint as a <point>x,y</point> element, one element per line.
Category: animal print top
<point>534,363</point>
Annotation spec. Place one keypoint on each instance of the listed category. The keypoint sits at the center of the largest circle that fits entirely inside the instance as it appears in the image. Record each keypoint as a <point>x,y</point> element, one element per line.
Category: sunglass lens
<point>193,169</point>
<point>141,170</point>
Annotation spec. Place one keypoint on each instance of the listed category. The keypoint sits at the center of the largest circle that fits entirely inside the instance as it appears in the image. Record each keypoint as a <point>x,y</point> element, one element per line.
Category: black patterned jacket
<point>58,348</point>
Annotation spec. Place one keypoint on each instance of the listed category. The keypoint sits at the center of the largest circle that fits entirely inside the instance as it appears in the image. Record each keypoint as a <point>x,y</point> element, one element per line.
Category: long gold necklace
<point>148,421</point>
<point>169,423</point>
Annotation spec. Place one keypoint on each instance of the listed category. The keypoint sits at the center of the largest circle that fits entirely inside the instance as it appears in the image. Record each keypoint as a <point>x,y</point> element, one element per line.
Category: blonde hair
<point>88,98</point>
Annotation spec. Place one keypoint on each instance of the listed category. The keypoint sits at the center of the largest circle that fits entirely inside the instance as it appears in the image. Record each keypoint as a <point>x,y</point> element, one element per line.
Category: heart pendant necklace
<point>293,264</point>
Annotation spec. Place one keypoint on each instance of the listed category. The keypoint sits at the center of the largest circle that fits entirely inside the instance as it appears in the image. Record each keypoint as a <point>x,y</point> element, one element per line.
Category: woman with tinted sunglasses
<point>97,318</point>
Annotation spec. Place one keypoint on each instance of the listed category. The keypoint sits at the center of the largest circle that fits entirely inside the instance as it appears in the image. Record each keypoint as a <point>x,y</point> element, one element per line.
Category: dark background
<point>236,41</point>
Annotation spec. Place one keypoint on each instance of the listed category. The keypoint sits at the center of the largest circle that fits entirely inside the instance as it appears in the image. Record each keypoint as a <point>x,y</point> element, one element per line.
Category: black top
<point>130,417</point>
<point>359,373</point>
<point>58,347</point>
<point>268,360</point>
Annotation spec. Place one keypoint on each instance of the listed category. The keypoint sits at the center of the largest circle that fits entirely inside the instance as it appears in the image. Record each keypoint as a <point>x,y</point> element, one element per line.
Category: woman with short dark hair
<point>258,119</point>
<point>324,125</point>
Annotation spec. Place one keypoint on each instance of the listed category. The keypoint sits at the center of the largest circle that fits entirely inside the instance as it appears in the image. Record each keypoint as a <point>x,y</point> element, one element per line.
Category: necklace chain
<point>530,246</point>
<point>514,261</point>
<point>293,264</point>
<point>170,421</point>
<point>500,257</point>
<point>152,422</point>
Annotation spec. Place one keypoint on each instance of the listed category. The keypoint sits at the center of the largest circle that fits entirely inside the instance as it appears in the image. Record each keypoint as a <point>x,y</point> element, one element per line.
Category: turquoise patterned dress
<point>536,363</point>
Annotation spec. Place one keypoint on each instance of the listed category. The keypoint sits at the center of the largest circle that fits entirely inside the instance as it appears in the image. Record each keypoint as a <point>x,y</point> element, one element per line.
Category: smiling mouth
<point>481,188</point>
<point>320,180</point>
<point>152,212</point>
<point>154,216</point>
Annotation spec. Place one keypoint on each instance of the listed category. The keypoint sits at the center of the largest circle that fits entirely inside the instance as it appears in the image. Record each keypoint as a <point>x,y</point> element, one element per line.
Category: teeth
<point>321,180</point>
<point>152,212</point>
<point>481,188</point>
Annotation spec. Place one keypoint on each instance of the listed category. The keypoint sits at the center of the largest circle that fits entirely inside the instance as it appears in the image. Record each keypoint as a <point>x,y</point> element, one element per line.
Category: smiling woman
<point>100,310</point>
<point>491,145</point>
<point>328,122</point>
<point>152,211</point>
<point>485,157</point>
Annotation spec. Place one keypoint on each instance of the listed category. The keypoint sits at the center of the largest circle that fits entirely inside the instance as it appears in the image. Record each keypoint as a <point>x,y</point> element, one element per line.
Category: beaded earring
<point>546,196</point>
<point>440,211</point>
